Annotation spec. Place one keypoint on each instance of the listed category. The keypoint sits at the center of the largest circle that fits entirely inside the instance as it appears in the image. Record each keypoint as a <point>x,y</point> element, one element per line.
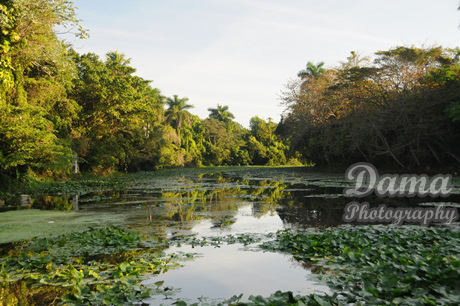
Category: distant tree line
<point>400,110</point>
<point>56,105</point>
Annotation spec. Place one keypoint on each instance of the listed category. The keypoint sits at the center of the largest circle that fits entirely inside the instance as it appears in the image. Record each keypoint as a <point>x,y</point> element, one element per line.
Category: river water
<point>220,204</point>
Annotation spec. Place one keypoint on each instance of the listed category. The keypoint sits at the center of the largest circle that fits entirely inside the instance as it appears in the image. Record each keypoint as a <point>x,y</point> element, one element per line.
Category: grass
<point>27,224</point>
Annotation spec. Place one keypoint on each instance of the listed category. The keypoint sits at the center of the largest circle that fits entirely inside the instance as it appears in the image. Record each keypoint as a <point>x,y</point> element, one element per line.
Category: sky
<point>242,53</point>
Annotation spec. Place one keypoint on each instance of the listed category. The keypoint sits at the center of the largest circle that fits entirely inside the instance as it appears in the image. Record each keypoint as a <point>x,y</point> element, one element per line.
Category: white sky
<point>241,53</point>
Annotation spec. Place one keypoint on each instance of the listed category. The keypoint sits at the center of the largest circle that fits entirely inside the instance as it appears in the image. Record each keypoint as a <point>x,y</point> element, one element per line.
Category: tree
<point>265,147</point>
<point>221,113</point>
<point>177,113</point>
<point>396,111</point>
<point>225,143</point>
<point>312,70</point>
<point>119,113</point>
<point>36,72</point>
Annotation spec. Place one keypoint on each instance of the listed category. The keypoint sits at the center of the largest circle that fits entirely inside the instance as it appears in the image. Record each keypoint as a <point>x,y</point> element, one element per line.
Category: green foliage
<point>276,299</point>
<point>312,70</point>
<point>401,110</point>
<point>245,239</point>
<point>8,37</point>
<point>265,146</point>
<point>382,264</point>
<point>177,114</point>
<point>221,113</point>
<point>97,267</point>
<point>26,139</point>
<point>36,72</point>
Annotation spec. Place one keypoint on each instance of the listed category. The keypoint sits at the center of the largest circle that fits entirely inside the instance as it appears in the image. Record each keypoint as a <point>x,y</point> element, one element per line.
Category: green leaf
<point>124,266</point>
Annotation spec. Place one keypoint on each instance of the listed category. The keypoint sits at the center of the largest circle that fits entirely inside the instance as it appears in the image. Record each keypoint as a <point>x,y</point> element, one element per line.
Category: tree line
<point>400,110</point>
<point>57,105</point>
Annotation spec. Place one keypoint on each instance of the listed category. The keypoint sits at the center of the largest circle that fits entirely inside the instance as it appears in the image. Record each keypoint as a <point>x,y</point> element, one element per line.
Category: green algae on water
<point>27,224</point>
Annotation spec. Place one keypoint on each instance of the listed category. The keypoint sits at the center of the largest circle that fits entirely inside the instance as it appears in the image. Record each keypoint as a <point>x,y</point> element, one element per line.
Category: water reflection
<point>75,202</point>
<point>53,203</point>
<point>184,203</point>
<point>230,270</point>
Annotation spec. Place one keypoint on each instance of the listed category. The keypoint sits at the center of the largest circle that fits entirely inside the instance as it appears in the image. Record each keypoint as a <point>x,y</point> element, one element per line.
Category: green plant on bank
<point>244,239</point>
<point>97,267</point>
<point>278,298</point>
<point>382,264</point>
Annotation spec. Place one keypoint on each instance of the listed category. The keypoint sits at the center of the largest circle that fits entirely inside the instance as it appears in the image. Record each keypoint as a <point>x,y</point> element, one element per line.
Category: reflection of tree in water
<point>312,211</point>
<point>269,194</point>
<point>224,221</point>
<point>220,199</point>
<point>53,203</point>
<point>317,208</point>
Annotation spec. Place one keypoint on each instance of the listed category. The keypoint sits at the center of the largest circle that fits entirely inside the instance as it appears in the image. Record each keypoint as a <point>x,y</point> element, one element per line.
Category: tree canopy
<point>221,113</point>
<point>401,110</point>
<point>56,104</point>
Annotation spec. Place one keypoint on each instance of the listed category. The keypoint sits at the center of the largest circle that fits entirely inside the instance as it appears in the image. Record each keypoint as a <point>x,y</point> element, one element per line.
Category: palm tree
<point>177,113</point>
<point>221,113</point>
<point>118,63</point>
<point>312,70</point>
